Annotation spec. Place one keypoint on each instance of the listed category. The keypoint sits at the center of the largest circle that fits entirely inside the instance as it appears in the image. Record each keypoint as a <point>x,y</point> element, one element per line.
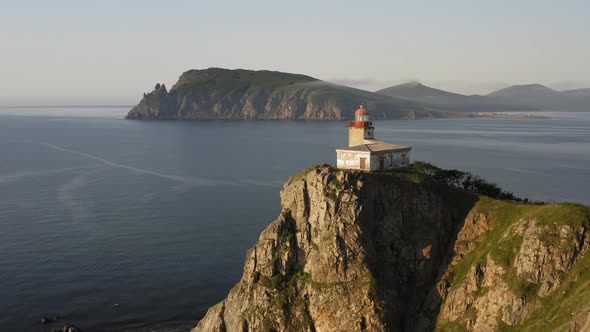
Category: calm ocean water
<point>157,216</point>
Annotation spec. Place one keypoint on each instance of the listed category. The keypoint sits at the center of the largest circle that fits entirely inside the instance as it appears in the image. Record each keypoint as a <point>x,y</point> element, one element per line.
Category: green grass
<point>562,214</point>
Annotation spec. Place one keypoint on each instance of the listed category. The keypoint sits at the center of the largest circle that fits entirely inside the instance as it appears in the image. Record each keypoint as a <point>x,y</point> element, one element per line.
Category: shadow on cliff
<point>410,229</point>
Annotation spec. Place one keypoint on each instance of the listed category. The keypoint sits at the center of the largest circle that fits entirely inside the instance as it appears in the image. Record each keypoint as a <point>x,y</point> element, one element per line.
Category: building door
<point>381,164</point>
<point>363,162</point>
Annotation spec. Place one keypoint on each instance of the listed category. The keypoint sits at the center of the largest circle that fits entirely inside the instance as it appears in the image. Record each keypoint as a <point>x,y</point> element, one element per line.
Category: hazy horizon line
<point>353,83</point>
<point>68,106</point>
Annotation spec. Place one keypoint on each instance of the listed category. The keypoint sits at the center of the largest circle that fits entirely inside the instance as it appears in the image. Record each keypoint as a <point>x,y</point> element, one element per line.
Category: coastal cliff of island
<point>401,251</point>
<point>218,93</point>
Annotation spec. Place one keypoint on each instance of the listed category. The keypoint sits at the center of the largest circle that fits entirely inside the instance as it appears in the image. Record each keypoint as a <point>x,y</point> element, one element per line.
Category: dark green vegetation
<point>225,79</point>
<point>465,180</point>
<point>248,94</point>
<point>529,97</point>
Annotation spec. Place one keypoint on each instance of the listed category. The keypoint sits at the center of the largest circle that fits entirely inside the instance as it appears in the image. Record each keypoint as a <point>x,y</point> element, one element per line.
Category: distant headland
<point>218,93</point>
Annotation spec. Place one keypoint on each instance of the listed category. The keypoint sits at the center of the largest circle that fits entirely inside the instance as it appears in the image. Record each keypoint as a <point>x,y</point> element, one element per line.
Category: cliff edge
<point>355,251</point>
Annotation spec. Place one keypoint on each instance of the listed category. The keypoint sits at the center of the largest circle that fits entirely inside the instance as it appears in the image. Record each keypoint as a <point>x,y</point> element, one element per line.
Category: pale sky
<point>110,52</point>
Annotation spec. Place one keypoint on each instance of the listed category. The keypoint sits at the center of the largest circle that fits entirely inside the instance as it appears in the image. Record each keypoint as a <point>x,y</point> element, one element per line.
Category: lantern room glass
<point>362,118</point>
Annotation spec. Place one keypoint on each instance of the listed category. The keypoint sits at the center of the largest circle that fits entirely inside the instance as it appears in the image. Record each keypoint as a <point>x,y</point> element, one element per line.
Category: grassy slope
<point>503,244</point>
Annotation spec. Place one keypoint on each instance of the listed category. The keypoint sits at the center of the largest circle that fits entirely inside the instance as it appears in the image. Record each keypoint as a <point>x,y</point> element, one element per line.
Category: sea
<point>112,224</point>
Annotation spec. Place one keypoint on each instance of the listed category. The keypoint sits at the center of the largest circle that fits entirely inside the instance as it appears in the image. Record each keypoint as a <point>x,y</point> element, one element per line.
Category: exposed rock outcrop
<point>354,251</point>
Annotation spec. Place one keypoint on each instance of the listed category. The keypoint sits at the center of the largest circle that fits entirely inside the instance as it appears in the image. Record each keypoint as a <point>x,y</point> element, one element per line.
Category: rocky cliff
<point>354,251</point>
<point>218,93</point>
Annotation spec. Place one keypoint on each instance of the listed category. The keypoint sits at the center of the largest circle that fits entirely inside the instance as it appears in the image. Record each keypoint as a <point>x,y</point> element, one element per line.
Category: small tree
<point>464,180</point>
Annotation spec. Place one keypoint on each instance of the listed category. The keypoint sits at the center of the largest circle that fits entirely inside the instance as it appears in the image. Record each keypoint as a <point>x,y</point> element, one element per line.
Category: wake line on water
<point>191,181</point>
<point>182,179</point>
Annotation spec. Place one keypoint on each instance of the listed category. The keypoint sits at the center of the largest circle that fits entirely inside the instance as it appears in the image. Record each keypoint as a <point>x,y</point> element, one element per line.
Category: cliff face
<point>246,94</point>
<point>353,251</point>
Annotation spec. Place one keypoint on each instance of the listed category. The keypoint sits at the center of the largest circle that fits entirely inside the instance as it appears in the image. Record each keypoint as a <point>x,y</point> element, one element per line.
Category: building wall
<point>391,160</point>
<point>357,136</point>
<point>351,159</point>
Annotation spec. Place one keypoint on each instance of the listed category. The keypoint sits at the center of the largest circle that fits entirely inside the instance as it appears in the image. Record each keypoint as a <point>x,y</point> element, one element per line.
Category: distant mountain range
<point>218,93</point>
<point>530,97</point>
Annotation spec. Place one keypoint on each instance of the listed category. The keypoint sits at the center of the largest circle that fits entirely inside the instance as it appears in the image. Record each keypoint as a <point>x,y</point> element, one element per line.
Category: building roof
<point>356,148</point>
<point>361,111</point>
<point>376,146</point>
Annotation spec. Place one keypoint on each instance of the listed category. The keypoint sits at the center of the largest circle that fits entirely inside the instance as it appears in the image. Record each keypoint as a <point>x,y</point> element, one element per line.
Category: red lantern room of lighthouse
<point>361,128</point>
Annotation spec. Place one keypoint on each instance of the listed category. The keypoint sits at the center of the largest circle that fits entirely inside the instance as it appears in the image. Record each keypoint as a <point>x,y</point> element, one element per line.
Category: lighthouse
<point>361,128</point>
<point>364,152</point>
